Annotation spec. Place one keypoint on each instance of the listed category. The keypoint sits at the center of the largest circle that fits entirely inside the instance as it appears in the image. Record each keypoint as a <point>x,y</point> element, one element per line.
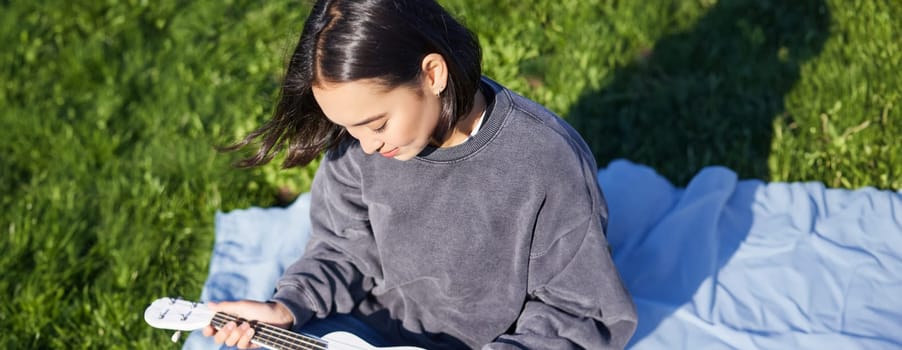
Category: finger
<point>234,336</point>
<point>247,309</point>
<point>209,330</point>
<point>223,334</point>
<point>246,334</point>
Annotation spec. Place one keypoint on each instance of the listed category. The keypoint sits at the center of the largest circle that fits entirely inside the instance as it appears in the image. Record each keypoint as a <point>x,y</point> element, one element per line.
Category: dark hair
<point>348,40</point>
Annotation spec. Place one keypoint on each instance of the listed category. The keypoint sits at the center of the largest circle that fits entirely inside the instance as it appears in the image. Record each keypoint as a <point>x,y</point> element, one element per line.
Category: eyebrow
<point>369,120</point>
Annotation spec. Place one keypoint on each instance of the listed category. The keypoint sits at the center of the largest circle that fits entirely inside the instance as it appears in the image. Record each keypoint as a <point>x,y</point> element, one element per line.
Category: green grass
<point>110,111</point>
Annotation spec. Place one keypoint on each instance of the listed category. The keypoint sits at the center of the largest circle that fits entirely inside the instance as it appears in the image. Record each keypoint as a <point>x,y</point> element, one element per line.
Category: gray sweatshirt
<point>496,243</point>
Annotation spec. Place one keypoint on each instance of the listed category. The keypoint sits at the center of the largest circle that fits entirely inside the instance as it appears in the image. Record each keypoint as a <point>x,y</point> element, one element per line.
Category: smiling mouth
<point>391,153</point>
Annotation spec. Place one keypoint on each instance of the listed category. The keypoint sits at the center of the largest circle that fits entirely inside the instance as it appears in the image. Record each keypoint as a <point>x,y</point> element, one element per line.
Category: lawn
<point>111,111</point>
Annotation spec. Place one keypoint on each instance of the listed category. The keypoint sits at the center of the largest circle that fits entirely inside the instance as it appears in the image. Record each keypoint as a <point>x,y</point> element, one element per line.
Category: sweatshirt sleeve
<point>576,298</point>
<point>335,271</point>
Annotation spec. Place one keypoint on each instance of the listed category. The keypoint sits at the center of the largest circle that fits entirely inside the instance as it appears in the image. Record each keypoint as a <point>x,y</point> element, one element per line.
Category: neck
<point>465,125</point>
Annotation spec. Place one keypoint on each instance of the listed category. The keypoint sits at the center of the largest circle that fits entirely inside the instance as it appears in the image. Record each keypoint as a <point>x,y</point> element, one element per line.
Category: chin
<point>403,157</point>
<point>409,152</point>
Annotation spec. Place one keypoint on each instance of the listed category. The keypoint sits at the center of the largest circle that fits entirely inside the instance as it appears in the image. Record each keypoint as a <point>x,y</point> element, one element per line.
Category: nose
<point>370,145</point>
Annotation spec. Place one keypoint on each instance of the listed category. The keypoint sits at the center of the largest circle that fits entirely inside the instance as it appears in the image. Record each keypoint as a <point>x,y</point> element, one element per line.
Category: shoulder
<point>541,134</point>
<point>561,161</point>
<point>556,154</point>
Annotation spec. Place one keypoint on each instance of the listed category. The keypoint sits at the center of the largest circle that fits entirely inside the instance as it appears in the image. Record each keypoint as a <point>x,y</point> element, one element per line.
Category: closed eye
<point>381,128</point>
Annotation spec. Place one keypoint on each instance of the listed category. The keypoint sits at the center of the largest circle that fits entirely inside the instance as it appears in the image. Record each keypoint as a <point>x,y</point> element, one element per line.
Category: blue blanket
<point>721,263</point>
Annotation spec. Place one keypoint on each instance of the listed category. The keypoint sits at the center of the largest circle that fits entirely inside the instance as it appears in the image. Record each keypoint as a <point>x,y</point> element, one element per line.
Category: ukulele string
<point>274,336</point>
<point>282,337</point>
<point>304,341</point>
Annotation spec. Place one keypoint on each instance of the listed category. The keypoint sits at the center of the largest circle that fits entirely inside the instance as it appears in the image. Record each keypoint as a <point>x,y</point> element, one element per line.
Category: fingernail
<point>249,332</point>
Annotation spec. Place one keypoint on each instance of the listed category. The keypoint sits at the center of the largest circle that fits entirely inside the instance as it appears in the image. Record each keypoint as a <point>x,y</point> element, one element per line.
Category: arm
<point>576,298</point>
<point>332,275</point>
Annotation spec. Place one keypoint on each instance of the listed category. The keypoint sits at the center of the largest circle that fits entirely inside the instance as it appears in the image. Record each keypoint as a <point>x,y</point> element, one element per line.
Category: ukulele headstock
<point>178,314</point>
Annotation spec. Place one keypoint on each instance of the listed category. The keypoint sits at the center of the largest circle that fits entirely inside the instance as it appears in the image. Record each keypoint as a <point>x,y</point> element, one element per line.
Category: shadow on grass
<point>706,96</point>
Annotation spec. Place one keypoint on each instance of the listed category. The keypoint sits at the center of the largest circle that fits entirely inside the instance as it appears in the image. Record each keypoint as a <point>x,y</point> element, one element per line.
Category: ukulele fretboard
<point>273,337</point>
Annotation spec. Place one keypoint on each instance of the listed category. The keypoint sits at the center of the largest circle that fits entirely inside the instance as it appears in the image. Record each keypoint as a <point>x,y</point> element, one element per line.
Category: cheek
<point>428,115</point>
<point>417,125</point>
<point>406,132</point>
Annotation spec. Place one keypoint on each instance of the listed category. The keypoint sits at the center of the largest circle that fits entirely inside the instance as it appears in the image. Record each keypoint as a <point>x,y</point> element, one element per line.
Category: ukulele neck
<point>272,337</point>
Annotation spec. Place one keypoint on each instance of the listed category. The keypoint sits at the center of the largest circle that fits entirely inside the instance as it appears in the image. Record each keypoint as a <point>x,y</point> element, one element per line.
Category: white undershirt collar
<point>478,123</point>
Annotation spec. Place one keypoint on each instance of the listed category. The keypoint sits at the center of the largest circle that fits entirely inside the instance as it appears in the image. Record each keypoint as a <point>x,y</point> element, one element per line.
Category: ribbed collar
<point>496,111</point>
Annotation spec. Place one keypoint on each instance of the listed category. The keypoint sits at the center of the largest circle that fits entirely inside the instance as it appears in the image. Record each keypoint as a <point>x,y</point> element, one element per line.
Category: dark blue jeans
<point>345,323</point>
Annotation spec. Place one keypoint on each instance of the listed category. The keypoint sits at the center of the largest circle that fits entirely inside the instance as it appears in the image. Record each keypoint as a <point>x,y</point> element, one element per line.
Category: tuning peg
<point>176,336</point>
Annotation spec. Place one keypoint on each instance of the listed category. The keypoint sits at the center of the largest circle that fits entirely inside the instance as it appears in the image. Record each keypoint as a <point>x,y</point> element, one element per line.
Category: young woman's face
<point>396,123</point>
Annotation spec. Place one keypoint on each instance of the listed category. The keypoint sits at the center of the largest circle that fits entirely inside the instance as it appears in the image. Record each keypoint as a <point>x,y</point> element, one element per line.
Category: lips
<point>391,153</point>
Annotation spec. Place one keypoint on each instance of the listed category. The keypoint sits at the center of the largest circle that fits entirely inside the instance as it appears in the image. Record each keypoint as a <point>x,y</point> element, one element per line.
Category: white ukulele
<point>183,315</point>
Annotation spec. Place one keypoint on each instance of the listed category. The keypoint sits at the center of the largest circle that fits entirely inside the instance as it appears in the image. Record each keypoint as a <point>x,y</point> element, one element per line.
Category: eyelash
<point>381,128</point>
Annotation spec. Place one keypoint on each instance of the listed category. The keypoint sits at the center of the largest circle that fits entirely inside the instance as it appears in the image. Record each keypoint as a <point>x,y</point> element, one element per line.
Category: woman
<point>479,224</point>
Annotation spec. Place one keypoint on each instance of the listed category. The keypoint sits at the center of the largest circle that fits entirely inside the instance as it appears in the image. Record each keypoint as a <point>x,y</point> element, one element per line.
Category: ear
<point>435,73</point>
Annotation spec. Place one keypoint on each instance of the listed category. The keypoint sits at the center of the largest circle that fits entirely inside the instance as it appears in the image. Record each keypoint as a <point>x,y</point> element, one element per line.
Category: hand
<point>240,335</point>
